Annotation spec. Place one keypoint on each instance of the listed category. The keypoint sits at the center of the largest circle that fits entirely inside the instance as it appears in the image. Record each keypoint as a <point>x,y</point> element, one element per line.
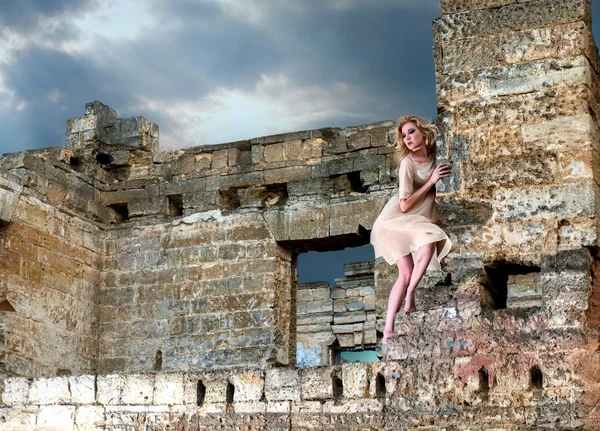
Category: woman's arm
<point>441,171</point>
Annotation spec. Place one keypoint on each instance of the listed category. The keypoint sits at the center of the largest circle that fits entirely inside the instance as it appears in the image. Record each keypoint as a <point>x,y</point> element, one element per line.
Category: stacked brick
<point>338,318</point>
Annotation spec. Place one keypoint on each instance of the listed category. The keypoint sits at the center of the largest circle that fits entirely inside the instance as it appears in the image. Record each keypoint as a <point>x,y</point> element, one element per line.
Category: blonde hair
<point>426,127</point>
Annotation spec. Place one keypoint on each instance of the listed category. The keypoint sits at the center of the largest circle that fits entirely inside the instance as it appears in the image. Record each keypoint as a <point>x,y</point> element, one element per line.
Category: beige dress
<point>395,234</point>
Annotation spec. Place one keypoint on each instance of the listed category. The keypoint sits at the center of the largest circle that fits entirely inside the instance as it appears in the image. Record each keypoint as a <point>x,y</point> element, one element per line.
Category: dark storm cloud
<point>193,53</point>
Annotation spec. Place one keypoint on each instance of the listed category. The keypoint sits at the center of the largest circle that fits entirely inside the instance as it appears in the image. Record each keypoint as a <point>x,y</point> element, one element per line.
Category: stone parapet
<point>357,395</point>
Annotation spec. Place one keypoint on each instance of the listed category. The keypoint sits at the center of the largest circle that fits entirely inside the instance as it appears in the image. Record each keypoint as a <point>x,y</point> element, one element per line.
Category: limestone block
<point>148,206</point>
<point>282,384</point>
<point>577,233</point>
<point>216,388</point>
<point>89,418</point>
<point>248,385</point>
<point>137,389</point>
<point>322,306</point>
<point>83,389</point>
<point>562,41</point>
<point>8,203</point>
<point>317,383</point>
<point>56,418</point>
<point>560,201</point>
<point>18,419</point>
<point>513,79</point>
<point>85,130</point>
<point>50,390</point>
<point>520,239</point>
<point>347,217</point>
<point>349,317</point>
<point>298,223</point>
<point>137,132</point>
<point>355,378</point>
<point>169,389</point>
<point>273,153</point>
<point>307,407</point>
<point>255,407</point>
<point>109,389</point>
<point>279,406</point>
<point>522,16</point>
<point>549,135</point>
<point>16,391</point>
<point>536,169</point>
<point>284,175</point>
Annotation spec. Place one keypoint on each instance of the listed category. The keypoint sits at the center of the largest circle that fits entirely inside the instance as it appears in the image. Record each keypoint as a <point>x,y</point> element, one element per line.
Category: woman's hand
<point>441,171</point>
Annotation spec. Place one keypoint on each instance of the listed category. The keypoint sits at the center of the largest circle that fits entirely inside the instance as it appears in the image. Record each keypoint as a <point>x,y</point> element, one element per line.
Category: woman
<point>405,232</point>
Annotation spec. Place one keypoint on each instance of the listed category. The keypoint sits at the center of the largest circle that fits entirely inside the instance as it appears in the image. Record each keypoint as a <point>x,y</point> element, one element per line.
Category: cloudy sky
<point>211,71</point>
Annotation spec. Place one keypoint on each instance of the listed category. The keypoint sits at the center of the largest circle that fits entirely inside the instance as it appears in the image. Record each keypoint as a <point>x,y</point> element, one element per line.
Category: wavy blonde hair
<point>426,127</point>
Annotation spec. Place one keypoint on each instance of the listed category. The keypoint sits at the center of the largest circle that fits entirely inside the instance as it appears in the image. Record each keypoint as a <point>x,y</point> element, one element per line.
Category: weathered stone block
<point>56,418</point>
<point>137,389</point>
<point>356,380</point>
<point>282,384</point>
<point>16,391</point>
<point>109,389</point>
<point>89,417</point>
<point>168,389</point>
<point>50,390</point>
<point>248,385</point>
<point>148,206</point>
<point>317,383</point>
<point>560,201</point>
<point>298,223</point>
<point>530,45</point>
<point>8,202</point>
<point>510,18</point>
<point>83,389</point>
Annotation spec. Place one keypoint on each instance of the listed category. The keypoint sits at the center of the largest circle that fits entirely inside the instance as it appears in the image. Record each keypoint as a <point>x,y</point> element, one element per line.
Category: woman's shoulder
<point>406,162</point>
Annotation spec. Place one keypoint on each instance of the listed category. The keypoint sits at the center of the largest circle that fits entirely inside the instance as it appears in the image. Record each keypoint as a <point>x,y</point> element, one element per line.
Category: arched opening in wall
<point>484,382</point>
<point>335,300</point>
<point>380,389</point>
<point>158,361</point>
<point>230,393</point>
<point>200,393</point>
<point>337,386</point>
<point>536,380</point>
<point>511,285</point>
<point>175,205</point>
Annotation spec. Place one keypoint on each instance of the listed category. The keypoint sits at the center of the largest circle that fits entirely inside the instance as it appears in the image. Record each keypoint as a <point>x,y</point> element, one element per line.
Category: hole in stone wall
<point>356,184</point>
<point>7,306</point>
<point>157,362</point>
<point>338,386</point>
<point>380,386</point>
<point>497,277</point>
<point>536,378</point>
<point>484,381</point>
<point>63,372</point>
<point>175,205</point>
<point>103,157</point>
<point>75,162</point>
<point>276,195</point>
<point>230,393</point>
<point>200,393</point>
<point>229,199</point>
<point>122,212</point>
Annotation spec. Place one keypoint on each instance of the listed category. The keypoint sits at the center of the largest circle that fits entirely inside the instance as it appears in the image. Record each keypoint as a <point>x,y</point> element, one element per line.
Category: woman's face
<point>413,138</point>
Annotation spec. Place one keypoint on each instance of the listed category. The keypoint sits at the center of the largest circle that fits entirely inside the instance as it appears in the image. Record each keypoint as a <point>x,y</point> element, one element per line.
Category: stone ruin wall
<point>127,261</point>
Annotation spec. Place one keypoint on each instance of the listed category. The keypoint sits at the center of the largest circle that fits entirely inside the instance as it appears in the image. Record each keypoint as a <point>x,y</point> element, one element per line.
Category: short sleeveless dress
<point>395,234</point>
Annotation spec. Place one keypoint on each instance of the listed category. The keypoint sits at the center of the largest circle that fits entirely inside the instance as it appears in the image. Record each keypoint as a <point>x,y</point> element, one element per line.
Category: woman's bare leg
<point>422,259</point>
<point>405,269</point>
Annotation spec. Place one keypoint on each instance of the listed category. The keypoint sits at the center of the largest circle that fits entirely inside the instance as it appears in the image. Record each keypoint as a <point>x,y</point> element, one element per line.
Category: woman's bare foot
<point>387,335</point>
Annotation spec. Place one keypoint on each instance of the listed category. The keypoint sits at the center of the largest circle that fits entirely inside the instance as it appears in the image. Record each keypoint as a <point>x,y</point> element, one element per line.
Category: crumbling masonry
<point>146,291</point>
